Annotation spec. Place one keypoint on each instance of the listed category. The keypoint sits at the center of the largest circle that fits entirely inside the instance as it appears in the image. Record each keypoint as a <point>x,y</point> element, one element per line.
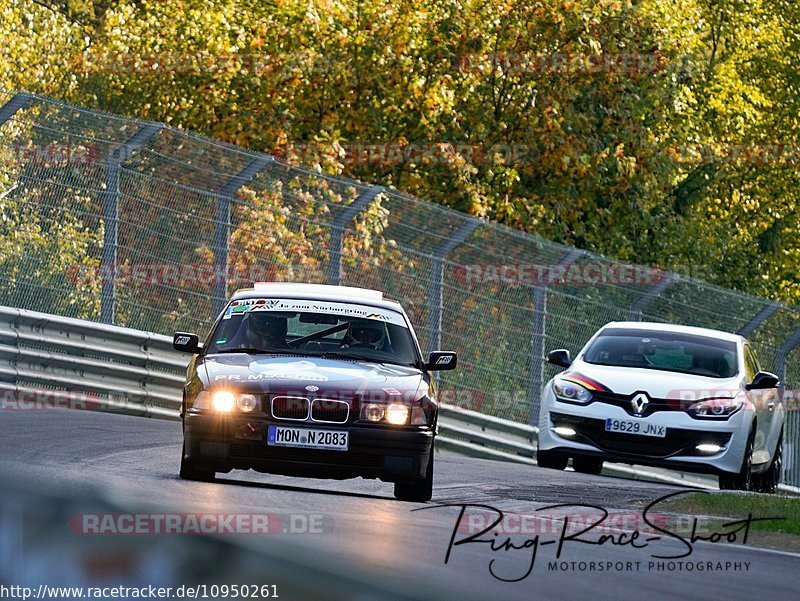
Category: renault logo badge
<point>639,402</point>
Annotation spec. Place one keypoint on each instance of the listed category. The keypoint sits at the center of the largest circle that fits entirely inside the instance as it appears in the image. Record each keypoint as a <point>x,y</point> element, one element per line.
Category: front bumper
<point>222,443</point>
<point>677,450</point>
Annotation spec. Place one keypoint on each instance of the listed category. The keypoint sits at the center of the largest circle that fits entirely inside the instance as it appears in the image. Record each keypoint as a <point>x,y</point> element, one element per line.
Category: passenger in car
<point>367,333</point>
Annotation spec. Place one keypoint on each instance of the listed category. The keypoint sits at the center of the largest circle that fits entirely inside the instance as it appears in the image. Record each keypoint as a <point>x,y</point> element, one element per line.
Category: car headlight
<point>224,401</point>
<point>715,408</point>
<point>396,414</point>
<point>571,392</point>
<point>246,402</point>
<point>372,412</point>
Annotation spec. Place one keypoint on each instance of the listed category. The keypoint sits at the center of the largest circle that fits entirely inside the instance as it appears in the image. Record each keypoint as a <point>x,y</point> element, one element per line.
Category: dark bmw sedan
<point>313,381</point>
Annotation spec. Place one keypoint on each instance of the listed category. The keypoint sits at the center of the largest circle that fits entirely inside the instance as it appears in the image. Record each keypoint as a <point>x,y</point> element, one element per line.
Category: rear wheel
<point>417,491</point>
<point>553,460</point>
<point>587,465</point>
<point>769,480</point>
<point>189,472</point>
<point>742,480</point>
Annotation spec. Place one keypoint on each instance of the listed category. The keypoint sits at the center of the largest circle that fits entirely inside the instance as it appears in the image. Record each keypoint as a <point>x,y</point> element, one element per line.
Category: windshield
<point>314,328</point>
<point>665,351</point>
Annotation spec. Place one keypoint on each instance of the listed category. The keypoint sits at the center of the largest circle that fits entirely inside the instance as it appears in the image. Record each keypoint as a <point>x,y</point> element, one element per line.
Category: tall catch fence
<point>142,225</point>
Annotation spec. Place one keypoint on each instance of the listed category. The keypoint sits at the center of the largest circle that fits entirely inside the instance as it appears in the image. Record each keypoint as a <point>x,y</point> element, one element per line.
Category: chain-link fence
<point>139,224</point>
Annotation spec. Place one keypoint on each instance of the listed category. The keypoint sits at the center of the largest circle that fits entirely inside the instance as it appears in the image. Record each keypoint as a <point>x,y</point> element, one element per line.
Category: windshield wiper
<point>606,363</point>
<point>257,351</point>
<point>370,359</point>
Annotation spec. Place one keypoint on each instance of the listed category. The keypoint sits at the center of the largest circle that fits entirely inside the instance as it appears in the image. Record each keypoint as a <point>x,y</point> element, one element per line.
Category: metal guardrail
<point>49,358</point>
<point>478,435</point>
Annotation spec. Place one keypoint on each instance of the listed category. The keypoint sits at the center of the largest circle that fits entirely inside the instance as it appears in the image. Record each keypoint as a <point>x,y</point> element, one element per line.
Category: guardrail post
<point>637,306</point>
<point>337,231</point>
<point>223,229</point>
<point>758,319</point>
<point>436,284</point>
<point>10,108</point>
<point>108,261</point>
<point>539,335</point>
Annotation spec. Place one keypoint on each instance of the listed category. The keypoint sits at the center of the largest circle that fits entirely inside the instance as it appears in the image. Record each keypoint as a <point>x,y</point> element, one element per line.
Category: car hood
<point>656,383</point>
<point>282,374</point>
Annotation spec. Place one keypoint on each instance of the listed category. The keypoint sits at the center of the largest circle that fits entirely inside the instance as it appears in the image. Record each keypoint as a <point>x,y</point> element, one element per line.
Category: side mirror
<point>441,360</point>
<point>186,342</point>
<point>559,357</point>
<point>763,380</point>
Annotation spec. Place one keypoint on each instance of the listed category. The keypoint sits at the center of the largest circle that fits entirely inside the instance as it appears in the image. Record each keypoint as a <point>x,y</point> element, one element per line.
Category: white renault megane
<point>680,397</point>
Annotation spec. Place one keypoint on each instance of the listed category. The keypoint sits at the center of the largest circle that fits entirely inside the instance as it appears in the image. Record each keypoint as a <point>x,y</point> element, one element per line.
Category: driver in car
<point>264,331</point>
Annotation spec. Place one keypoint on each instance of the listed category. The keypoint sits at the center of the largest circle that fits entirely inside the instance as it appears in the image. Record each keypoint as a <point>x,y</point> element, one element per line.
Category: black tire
<point>744,479</point>
<point>416,491</point>
<point>189,472</point>
<point>552,460</point>
<point>587,465</point>
<point>769,480</point>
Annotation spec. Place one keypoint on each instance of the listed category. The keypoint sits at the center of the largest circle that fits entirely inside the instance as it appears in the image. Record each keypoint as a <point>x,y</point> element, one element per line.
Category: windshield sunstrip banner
<point>248,305</point>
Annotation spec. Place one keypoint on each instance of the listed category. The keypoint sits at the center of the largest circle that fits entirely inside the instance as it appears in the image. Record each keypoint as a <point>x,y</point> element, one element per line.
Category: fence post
<point>637,306</point>
<point>539,335</point>
<point>337,231</point>
<point>436,282</point>
<point>783,353</point>
<point>791,434</point>
<point>10,108</point>
<point>108,261</point>
<point>225,195</point>
<point>759,318</point>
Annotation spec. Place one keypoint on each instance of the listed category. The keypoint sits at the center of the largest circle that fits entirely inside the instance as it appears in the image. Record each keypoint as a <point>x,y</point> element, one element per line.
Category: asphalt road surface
<point>352,539</point>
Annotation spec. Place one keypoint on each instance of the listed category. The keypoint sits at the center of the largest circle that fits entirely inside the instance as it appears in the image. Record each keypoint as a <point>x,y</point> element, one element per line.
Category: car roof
<point>321,292</point>
<point>671,327</point>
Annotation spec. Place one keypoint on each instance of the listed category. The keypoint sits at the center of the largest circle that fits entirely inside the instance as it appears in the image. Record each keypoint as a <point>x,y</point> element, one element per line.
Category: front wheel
<point>553,460</point>
<point>742,480</point>
<point>769,480</point>
<point>417,491</point>
<point>189,472</point>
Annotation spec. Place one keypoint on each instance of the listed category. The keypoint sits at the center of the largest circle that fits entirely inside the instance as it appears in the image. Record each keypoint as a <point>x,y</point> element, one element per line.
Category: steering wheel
<point>358,345</point>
